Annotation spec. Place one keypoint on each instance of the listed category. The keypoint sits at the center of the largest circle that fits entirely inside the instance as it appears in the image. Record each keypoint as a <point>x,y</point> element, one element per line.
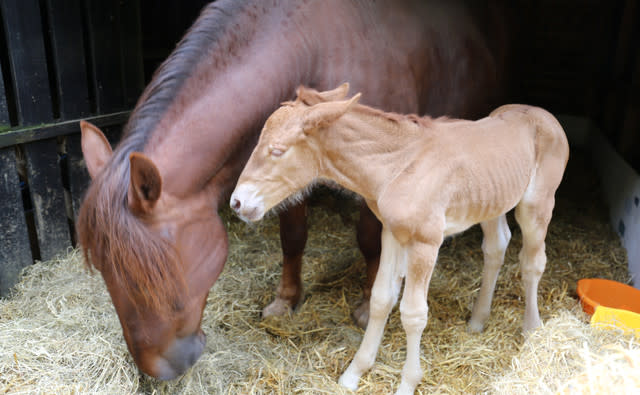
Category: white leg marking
<point>384,296</point>
<point>277,308</point>
<point>533,261</point>
<point>414,309</point>
<point>533,215</point>
<point>496,239</point>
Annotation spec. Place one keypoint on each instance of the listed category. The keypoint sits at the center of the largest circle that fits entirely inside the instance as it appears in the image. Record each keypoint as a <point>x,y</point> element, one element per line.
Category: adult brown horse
<point>149,221</point>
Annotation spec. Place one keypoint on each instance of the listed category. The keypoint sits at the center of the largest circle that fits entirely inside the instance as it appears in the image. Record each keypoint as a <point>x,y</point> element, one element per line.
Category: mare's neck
<point>364,151</point>
<point>207,134</point>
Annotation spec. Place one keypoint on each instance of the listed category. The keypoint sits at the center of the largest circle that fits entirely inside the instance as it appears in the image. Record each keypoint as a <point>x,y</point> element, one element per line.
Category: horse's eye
<point>276,150</point>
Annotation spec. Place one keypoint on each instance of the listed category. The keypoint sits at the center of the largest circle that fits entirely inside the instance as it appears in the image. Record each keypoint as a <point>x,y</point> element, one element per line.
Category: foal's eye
<point>276,151</point>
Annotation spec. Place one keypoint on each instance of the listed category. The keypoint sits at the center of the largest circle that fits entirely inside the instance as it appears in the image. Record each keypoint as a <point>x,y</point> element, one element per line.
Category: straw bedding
<point>59,332</point>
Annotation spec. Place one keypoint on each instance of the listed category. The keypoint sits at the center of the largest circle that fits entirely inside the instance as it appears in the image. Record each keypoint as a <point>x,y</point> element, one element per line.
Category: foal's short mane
<point>142,263</point>
<point>423,121</point>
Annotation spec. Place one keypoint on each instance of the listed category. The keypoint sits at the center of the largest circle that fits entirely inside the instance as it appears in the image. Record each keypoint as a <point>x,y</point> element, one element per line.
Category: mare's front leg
<point>368,231</point>
<point>293,237</point>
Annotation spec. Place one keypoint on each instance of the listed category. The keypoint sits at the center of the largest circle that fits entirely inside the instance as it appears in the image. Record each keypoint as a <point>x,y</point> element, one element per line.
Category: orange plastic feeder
<point>594,292</point>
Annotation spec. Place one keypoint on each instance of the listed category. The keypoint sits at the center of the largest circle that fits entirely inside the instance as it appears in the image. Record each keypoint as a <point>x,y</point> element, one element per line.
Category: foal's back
<point>478,170</point>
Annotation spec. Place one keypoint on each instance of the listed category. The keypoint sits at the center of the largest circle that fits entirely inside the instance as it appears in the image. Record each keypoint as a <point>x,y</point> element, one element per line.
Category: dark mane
<point>113,239</point>
<point>201,39</point>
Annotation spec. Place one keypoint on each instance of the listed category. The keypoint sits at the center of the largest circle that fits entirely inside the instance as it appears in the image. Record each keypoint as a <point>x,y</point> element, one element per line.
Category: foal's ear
<point>311,96</point>
<point>146,183</point>
<point>338,93</point>
<point>323,114</point>
<point>95,148</point>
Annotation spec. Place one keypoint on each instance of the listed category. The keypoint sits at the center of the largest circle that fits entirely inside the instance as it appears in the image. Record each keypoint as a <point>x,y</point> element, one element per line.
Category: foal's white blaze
<point>247,202</point>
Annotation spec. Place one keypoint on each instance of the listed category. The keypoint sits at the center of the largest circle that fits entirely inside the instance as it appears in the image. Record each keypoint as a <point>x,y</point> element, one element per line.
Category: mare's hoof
<point>276,308</point>
<point>361,314</point>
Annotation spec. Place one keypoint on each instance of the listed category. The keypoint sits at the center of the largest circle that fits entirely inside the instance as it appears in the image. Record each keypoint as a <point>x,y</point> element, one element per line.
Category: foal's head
<point>158,254</point>
<point>288,157</point>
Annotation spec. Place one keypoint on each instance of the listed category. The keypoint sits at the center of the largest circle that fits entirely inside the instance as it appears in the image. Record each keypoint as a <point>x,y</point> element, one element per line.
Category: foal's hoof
<point>361,314</point>
<point>278,307</point>
<point>475,327</point>
<point>530,325</point>
<point>349,381</point>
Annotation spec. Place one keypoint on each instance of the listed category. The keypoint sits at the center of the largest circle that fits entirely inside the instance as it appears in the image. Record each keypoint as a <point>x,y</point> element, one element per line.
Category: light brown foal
<point>425,179</point>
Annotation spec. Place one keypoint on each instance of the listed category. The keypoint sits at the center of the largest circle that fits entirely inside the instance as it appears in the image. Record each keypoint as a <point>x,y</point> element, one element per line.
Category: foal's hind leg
<point>414,309</point>
<point>293,237</point>
<point>496,239</point>
<point>533,216</point>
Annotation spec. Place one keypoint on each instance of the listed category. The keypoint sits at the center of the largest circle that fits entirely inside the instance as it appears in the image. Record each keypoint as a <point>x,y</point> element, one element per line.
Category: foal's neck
<point>366,149</point>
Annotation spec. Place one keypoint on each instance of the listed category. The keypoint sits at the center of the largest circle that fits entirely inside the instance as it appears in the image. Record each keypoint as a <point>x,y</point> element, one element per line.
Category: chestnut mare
<point>425,179</point>
<point>149,222</point>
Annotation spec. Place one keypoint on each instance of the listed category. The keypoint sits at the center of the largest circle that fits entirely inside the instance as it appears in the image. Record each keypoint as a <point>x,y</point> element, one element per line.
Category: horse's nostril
<point>235,204</point>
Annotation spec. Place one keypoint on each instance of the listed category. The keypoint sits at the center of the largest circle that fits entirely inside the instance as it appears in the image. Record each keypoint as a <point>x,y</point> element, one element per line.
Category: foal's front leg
<point>384,295</point>
<point>293,237</point>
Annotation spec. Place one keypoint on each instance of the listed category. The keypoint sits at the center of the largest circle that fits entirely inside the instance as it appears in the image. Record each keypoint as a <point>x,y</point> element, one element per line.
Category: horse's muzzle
<point>247,203</point>
<point>179,356</point>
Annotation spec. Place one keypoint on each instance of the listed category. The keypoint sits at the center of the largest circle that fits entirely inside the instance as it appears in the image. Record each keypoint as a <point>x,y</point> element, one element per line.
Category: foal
<point>425,179</point>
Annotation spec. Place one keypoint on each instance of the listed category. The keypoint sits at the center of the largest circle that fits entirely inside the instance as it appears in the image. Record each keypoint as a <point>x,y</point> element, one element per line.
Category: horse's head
<point>288,157</point>
<point>158,254</point>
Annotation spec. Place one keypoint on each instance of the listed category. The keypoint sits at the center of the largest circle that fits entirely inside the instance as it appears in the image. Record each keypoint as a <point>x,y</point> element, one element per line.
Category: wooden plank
<point>27,59</point>
<point>131,46</point>
<point>78,175</point>
<point>34,133</point>
<point>15,250</point>
<point>104,37</point>
<point>65,20</point>
<point>47,195</point>
<point>5,121</point>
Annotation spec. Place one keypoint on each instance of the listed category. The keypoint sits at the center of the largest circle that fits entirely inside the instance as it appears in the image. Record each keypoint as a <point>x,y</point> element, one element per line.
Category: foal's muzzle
<point>247,203</point>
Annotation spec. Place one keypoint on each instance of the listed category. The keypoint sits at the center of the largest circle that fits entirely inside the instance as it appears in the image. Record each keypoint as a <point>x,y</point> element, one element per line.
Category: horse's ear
<point>323,114</point>
<point>146,183</point>
<point>338,93</point>
<point>311,96</point>
<point>95,148</point>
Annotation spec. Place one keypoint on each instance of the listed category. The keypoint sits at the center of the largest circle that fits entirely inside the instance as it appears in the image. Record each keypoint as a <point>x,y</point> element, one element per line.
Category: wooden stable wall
<point>60,61</point>
<point>581,57</point>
